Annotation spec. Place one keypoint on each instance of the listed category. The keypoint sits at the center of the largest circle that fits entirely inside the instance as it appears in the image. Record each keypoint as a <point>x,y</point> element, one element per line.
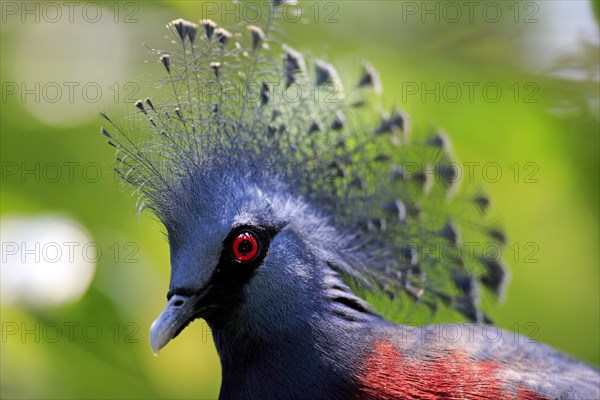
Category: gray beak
<point>180,311</point>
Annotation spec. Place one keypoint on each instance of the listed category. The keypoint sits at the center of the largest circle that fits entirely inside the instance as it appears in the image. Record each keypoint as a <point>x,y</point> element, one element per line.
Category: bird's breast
<point>387,373</point>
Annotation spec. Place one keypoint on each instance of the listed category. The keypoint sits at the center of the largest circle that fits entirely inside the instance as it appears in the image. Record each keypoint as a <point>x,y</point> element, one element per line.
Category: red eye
<point>245,246</point>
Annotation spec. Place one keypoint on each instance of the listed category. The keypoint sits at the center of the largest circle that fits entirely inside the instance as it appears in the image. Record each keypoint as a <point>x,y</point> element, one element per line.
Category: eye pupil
<point>245,246</point>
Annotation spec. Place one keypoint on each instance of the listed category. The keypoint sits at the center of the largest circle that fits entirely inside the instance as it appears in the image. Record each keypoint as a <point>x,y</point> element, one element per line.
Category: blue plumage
<point>284,213</point>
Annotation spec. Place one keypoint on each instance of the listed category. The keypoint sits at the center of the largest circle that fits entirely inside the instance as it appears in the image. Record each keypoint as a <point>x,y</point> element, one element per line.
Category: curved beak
<point>180,311</point>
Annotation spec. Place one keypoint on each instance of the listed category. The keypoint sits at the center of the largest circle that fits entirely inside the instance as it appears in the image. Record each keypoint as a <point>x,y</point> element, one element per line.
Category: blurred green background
<point>61,66</point>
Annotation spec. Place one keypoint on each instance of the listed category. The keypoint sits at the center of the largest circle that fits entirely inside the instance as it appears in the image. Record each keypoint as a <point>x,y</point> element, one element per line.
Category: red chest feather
<point>387,374</point>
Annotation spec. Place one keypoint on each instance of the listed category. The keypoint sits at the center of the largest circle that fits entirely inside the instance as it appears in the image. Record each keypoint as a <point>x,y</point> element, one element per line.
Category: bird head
<point>241,254</point>
<point>280,190</point>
